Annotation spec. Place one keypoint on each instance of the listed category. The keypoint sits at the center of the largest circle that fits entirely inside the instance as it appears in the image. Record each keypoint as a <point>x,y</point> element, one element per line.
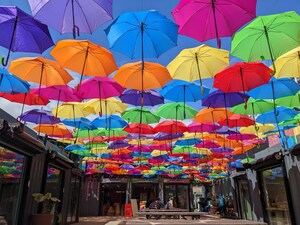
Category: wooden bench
<point>170,215</point>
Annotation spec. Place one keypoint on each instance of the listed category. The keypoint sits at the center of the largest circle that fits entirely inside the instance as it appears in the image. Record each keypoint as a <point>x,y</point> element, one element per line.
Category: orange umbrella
<point>40,70</point>
<point>242,150</point>
<point>84,57</point>
<point>134,76</point>
<point>209,115</point>
<point>111,166</point>
<point>57,130</point>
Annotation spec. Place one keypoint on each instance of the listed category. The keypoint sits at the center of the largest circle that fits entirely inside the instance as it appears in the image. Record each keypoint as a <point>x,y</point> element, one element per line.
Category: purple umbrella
<point>118,144</point>
<point>72,16</point>
<point>221,150</point>
<point>134,97</point>
<point>226,130</point>
<point>218,99</point>
<point>164,136</point>
<point>22,32</point>
<point>127,167</point>
<point>142,148</point>
<point>39,116</point>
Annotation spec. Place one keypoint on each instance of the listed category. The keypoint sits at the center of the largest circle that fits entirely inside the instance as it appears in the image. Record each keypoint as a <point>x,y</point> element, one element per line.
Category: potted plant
<point>214,206</point>
<point>48,209</point>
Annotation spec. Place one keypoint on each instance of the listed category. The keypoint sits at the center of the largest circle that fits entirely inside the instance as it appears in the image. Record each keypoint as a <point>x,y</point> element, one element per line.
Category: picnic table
<point>173,213</point>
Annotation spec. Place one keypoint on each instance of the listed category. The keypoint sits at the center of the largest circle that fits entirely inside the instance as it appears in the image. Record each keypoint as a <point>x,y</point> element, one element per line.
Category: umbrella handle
<point>75,31</point>
<point>4,61</point>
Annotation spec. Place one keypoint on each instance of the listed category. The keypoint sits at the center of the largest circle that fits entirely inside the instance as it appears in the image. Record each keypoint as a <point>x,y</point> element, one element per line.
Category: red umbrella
<point>137,128</point>
<point>237,120</point>
<point>171,127</point>
<point>242,77</point>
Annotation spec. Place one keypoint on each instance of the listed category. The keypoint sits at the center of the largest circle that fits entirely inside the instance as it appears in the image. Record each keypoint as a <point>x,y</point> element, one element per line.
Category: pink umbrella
<point>208,19</point>
<point>99,87</point>
<point>241,137</point>
<point>203,127</point>
<point>208,144</point>
<point>163,147</point>
<point>142,148</point>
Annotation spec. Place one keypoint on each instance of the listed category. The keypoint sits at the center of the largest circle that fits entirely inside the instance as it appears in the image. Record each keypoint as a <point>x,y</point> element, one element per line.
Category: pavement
<point>207,219</point>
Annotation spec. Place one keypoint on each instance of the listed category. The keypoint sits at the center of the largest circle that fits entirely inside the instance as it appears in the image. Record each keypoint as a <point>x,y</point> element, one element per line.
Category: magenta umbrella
<point>209,19</point>
<point>208,144</point>
<point>203,127</point>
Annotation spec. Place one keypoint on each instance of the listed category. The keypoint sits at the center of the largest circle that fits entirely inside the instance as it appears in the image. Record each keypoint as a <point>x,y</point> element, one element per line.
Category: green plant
<point>47,200</point>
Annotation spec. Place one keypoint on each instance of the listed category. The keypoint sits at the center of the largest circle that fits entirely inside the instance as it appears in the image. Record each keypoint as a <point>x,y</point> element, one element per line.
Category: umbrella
<point>11,84</point>
<point>209,115</point>
<point>207,144</point>
<point>139,77</point>
<point>83,16</point>
<point>80,123</point>
<point>288,64</point>
<point>198,63</point>
<point>237,120</point>
<point>39,116</point>
<point>22,32</point>
<point>282,114</point>
<point>171,127</point>
<point>208,19</point>
<point>254,106</point>
<point>112,121</point>
<point>118,144</point>
<point>257,128</point>
<point>242,77</point>
<point>85,133</point>
<point>188,142</point>
<point>40,70</point>
<point>134,97</point>
<point>54,130</point>
<point>164,136</point>
<point>219,98</point>
<point>142,34</point>
<point>289,101</point>
<point>262,38</point>
<point>177,111</point>
<point>140,115</point>
<point>203,127</point>
<point>241,137</point>
<point>78,147</point>
<point>99,87</point>
<point>70,110</point>
<point>276,88</point>
<point>84,57</point>
<point>104,106</point>
<point>137,128</point>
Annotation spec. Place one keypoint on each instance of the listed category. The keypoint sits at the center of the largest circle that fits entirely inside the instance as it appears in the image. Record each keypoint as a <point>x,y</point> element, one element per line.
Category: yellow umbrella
<point>258,128</point>
<point>202,151</point>
<point>156,153</point>
<point>100,151</point>
<point>58,130</point>
<point>70,141</point>
<point>198,63</point>
<point>84,57</point>
<point>40,70</point>
<point>288,64</point>
<point>109,106</point>
<point>70,110</point>
<point>187,135</point>
<point>141,141</point>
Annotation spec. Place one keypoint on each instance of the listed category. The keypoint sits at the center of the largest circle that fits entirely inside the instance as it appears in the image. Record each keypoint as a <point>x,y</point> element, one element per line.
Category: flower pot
<point>41,219</point>
<point>213,209</point>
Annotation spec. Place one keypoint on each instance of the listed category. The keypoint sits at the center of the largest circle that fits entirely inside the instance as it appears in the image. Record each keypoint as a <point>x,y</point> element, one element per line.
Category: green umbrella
<point>133,116</point>
<point>84,153</point>
<point>79,133</point>
<point>183,150</point>
<point>117,132</point>
<point>253,107</point>
<point>96,145</point>
<point>158,168</point>
<point>294,121</point>
<point>289,101</point>
<point>247,160</point>
<point>177,111</point>
<point>267,37</point>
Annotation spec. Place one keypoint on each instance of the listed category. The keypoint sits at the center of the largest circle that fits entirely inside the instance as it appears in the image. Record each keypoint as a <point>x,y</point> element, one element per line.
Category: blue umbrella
<point>281,114</point>
<point>218,99</point>
<point>188,142</point>
<point>112,121</point>
<point>75,147</point>
<point>80,123</point>
<point>142,34</point>
<point>276,88</point>
<point>12,84</point>
<point>134,97</point>
<point>23,33</point>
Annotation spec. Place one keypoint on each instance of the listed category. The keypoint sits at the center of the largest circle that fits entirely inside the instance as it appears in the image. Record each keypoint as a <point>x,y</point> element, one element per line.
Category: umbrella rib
<point>87,22</point>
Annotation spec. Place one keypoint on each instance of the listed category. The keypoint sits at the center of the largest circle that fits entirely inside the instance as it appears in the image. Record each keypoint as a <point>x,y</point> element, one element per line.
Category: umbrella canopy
<point>81,16</point>
<point>112,121</point>
<point>171,127</point>
<point>99,87</point>
<point>289,101</point>
<point>219,98</point>
<point>73,147</point>
<point>11,84</point>
<point>288,64</point>
<point>261,39</point>
<point>117,132</point>
<point>241,137</point>
<point>209,115</point>
<point>198,63</point>
<point>253,106</point>
<point>137,128</point>
<point>133,116</point>
<point>281,114</point>
<point>40,70</point>
<point>39,116</point>
<point>142,34</point>
<point>203,127</point>
<point>242,77</point>
<point>134,97</point>
<point>139,77</point>
<point>257,128</point>
<point>118,144</point>
<point>84,57</point>
<point>53,130</point>
<point>70,110</point>
<point>207,144</point>
<point>104,106</point>
<point>237,120</point>
<point>22,32</point>
<point>80,123</point>
<point>212,19</point>
<point>177,111</point>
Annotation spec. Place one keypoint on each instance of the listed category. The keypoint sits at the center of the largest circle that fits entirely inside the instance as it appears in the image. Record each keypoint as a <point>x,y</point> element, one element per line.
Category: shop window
<point>73,199</point>
<point>12,167</point>
<point>177,195</point>
<point>275,198</point>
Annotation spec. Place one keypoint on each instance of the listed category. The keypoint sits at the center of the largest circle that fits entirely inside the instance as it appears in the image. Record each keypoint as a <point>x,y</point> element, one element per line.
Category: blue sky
<point>264,7</point>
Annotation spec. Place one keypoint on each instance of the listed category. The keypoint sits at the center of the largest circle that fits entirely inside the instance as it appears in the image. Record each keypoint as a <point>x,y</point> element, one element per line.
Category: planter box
<point>41,219</point>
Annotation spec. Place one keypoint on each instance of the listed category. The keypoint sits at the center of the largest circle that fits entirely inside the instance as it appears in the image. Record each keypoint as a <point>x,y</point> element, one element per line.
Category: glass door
<point>178,195</point>
<point>244,199</point>
<point>275,197</point>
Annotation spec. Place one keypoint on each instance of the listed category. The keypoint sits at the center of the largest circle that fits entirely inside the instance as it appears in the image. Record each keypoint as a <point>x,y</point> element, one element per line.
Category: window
<point>11,172</point>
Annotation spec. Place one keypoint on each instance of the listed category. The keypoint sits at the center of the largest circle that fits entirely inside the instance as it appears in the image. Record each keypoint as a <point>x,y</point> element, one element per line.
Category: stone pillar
<point>161,189</point>
<point>128,190</point>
